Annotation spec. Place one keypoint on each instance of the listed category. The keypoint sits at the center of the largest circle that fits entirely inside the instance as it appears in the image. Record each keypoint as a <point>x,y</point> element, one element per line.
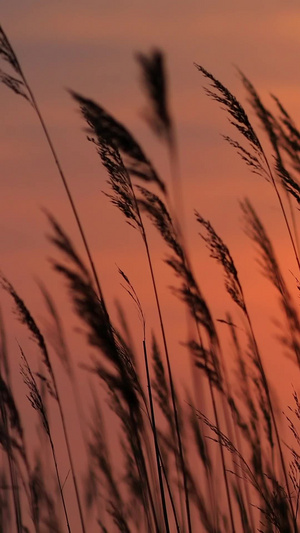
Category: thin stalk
<point>222,459</point>
<point>27,490</point>
<point>215,411</point>
<point>179,211</point>
<point>249,506</point>
<point>11,465</point>
<point>158,464</point>
<point>70,197</point>
<point>38,404</point>
<point>12,474</point>
<point>216,416</point>
<point>238,441</point>
<point>59,482</point>
<point>78,404</point>
<point>170,493</point>
<point>266,387</point>
<point>57,397</point>
<point>283,211</point>
<point>161,462</point>
<point>174,165</point>
<point>141,466</point>
<point>71,461</point>
<point>180,449</point>
<point>230,432</point>
<point>35,106</point>
<point>14,468</point>
<point>166,480</point>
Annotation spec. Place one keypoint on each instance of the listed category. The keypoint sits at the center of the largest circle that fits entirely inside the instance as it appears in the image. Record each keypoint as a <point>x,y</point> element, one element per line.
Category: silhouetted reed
<point>20,86</point>
<point>155,469</point>
<point>50,380</point>
<point>37,403</point>
<point>220,252</point>
<point>112,140</point>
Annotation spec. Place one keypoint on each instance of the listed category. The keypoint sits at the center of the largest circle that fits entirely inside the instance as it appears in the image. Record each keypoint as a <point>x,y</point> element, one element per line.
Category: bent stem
<point>14,62</point>
<point>71,460</point>
<point>283,212</point>
<point>157,454</point>
<point>174,165</point>
<point>12,472</point>
<point>266,387</point>
<point>37,403</point>
<point>180,448</point>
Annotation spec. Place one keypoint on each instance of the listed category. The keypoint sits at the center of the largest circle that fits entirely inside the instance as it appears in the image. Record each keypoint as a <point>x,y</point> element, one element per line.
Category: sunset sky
<point>90,46</point>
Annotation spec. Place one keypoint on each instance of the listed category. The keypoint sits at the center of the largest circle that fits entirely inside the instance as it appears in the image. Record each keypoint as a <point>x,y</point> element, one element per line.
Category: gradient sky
<point>89,46</point>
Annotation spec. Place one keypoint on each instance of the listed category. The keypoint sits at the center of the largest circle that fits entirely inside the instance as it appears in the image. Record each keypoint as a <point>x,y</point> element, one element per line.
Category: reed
<point>155,467</point>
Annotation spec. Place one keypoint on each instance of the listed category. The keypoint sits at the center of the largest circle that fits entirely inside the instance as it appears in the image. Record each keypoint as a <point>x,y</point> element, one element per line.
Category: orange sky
<point>89,46</point>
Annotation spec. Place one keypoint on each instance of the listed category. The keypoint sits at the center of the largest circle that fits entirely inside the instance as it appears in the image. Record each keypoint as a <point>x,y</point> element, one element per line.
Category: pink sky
<point>89,46</point>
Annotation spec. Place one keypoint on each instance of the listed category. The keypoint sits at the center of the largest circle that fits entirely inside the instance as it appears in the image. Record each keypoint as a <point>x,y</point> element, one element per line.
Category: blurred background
<point>90,47</point>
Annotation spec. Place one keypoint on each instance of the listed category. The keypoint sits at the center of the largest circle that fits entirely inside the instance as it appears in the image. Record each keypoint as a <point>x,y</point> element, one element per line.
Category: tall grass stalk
<point>109,134</point>
<point>28,320</point>
<point>21,86</point>
<point>4,371</point>
<point>38,404</point>
<point>132,293</point>
<point>220,251</point>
